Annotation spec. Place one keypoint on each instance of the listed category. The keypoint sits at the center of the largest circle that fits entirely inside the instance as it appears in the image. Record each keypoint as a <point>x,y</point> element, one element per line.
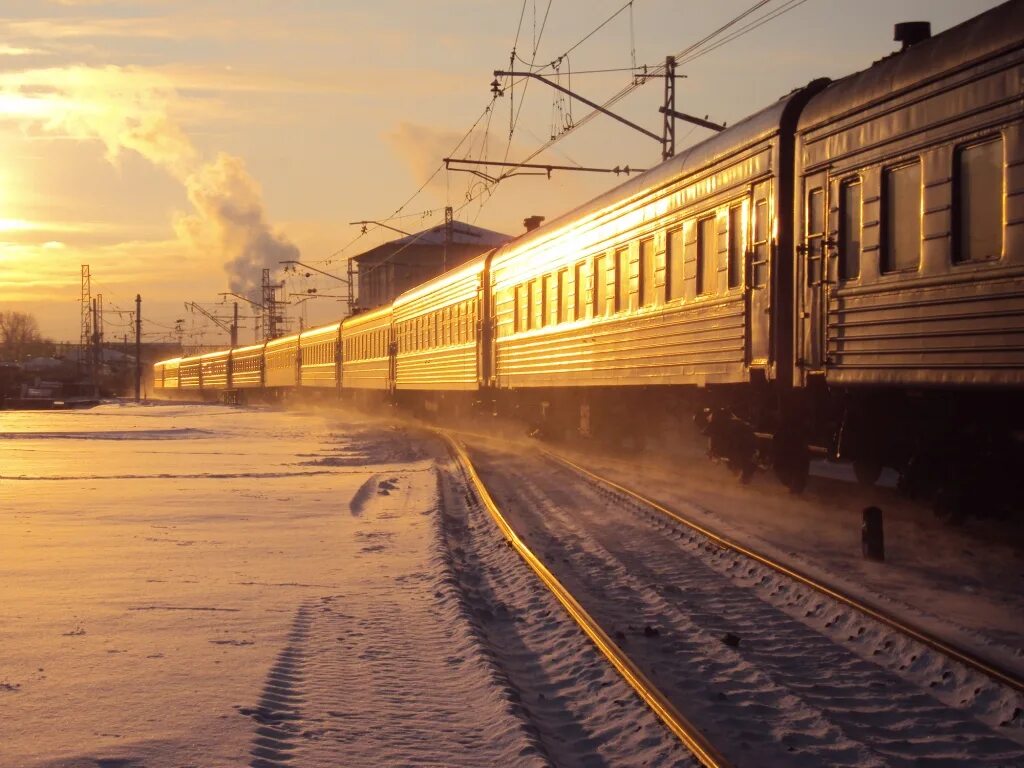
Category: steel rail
<point>685,731</point>
<point>966,658</point>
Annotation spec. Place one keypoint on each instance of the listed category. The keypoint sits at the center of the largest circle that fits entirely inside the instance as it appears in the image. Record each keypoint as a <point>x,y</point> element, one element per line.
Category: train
<point>840,273</point>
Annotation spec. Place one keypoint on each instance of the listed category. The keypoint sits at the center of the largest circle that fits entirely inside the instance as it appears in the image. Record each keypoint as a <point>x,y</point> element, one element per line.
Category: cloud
<point>423,148</point>
<point>130,109</point>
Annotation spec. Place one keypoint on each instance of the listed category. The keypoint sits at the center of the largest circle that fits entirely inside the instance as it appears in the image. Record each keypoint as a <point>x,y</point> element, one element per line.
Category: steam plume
<point>132,109</point>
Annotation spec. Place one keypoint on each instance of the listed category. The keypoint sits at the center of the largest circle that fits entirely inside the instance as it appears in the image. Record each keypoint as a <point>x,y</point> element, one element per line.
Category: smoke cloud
<point>132,109</point>
<point>230,219</point>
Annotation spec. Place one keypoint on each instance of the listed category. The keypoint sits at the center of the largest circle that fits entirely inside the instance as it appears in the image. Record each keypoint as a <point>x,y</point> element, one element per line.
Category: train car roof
<point>368,316</point>
<point>319,330</point>
<point>473,266</point>
<point>168,361</point>
<point>992,32</point>
<point>744,133</point>
<point>249,348</point>
<point>282,340</point>
<point>218,353</point>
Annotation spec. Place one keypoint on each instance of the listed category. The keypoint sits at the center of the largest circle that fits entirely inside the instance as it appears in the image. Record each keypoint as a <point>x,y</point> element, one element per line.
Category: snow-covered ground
<point>774,673</point>
<point>963,583</point>
<point>187,585</point>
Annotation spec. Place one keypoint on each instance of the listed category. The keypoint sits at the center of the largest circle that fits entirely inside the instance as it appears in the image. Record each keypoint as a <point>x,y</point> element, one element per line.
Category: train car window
<point>978,190</point>
<point>901,219</point>
<point>600,285</point>
<point>531,304</point>
<point>545,300</point>
<point>815,235</point>
<point>579,290</point>
<point>706,251</point>
<point>675,280</point>
<point>563,296</point>
<point>760,262</point>
<point>622,280</point>
<point>647,272</point>
<point>737,245</point>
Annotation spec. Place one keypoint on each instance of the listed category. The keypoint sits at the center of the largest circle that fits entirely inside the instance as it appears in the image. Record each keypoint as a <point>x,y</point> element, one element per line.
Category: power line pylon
<point>271,318</point>
<point>86,333</point>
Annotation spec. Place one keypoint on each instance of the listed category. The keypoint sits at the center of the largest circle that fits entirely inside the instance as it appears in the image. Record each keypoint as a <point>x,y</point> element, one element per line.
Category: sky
<point>177,147</point>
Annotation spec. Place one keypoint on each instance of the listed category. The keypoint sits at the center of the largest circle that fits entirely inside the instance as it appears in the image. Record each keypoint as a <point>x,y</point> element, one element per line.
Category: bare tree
<point>18,332</point>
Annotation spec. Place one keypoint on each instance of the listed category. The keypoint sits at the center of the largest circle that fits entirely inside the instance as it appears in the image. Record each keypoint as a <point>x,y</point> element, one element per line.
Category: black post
<point>95,357</point>
<point>234,328</point>
<point>138,347</point>
<point>872,537</point>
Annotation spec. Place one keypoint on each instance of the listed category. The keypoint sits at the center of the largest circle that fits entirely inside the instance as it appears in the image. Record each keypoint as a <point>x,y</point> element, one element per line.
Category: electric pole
<point>94,348</point>
<point>447,236</point>
<point>234,328</point>
<point>138,347</point>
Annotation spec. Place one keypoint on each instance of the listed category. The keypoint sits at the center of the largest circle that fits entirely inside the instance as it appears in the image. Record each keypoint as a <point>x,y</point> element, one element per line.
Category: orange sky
<point>177,147</point>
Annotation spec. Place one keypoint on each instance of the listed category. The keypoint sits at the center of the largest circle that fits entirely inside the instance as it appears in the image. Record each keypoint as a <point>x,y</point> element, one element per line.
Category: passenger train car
<point>842,270</point>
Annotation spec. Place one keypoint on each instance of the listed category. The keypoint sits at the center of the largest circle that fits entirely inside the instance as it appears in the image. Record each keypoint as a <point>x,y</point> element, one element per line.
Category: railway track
<point>747,662</point>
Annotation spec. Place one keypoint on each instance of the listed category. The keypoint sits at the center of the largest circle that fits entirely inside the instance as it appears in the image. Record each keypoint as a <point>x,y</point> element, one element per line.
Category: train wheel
<point>867,471</point>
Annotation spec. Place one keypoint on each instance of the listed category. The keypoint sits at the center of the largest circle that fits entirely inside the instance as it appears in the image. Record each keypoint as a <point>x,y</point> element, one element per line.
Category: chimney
<point>532,222</point>
<point>911,33</point>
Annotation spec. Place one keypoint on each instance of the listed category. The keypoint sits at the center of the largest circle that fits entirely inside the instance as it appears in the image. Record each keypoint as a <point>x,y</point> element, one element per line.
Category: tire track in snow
<point>278,713</point>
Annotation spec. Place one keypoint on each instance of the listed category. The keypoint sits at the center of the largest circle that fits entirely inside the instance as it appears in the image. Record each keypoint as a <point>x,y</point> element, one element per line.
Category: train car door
<point>758,277</point>
<point>814,273</point>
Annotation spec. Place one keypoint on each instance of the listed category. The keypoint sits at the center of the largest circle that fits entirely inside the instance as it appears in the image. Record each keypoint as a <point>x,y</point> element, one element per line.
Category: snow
<point>196,585</point>
<point>964,583</point>
<point>162,598</point>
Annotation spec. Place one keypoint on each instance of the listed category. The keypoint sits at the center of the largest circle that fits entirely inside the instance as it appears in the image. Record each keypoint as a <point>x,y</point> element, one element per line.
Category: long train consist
<point>842,270</point>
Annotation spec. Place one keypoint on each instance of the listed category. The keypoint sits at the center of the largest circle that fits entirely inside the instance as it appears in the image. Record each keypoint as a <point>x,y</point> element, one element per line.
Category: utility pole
<point>269,306</point>
<point>93,347</point>
<point>98,320</point>
<point>138,347</point>
<point>668,131</point>
<point>447,236</point>
<point>351,272</point>
<point>85,336</point>
<point>234,328</point>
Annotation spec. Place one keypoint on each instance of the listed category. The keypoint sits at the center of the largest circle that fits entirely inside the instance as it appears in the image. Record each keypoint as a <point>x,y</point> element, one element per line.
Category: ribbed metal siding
<point>448,367</point>
<point>453,366</point>
<point>674,345</point>
<point>313,344</point>
<point>372,373</point>
<point>281,362</point>
<point>188,373</point>
<point>947,334</point>
<point>215,370</point>
<point>171,374</point>
<point>247,367</point>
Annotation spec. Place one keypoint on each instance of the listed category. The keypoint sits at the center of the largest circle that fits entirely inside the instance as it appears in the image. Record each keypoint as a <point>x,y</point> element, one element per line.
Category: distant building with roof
<point>394,267</point>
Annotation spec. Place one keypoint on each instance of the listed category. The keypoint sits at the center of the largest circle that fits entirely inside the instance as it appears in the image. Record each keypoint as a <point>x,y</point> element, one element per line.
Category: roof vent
<point>912,32</point>
<point>532,222</point>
